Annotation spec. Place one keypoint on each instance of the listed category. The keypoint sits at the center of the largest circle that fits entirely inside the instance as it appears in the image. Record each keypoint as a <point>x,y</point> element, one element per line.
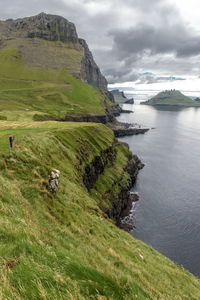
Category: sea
<point>167,216</point>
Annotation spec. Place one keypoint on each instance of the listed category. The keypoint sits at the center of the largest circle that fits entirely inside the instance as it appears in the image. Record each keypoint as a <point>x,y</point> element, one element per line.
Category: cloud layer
<point>127,37</point>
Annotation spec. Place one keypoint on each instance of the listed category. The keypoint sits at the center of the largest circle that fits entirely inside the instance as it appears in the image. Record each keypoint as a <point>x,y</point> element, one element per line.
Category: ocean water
<point>167,216</point>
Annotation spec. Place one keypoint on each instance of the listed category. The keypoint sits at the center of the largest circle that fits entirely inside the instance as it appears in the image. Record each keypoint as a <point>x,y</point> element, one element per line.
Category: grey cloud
<point>145,38</point>
<point>126,37</point>
<point>114,75</point>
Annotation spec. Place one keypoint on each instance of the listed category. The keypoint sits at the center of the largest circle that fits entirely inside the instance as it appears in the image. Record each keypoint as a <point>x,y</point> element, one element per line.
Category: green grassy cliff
<point>171,97</point>
<point>46,70</point>
<point>63,246</point>
<point>27,91</point>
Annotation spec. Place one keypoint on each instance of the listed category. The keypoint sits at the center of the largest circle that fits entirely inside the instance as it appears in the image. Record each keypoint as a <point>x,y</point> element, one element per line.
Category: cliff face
<point>27,34</point>
<point>120,98</point>
<point>48,27</point>
<point>59,244</point>
<point>90,72</point>
<point>117,192</point>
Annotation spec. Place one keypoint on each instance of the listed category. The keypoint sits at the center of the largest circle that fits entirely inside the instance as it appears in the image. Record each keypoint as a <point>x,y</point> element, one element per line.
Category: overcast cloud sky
<point>129,37</point>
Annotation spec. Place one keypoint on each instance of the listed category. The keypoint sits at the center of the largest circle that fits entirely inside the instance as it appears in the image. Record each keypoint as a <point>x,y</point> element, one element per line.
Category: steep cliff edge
<point>48,73</point>
<point>116,194</point>
<point>44,26</point>
<point>120,97</point>
<point>90,72</point>
<point>61,245</point>
<point>27,33</point>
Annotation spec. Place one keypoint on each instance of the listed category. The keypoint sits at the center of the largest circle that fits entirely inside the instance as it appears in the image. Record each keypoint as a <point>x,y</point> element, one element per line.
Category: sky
<point>147,43</point>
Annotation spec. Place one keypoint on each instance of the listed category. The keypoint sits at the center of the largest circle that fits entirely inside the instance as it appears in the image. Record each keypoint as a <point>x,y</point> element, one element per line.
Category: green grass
<point>173,97</point>
<point>53,92</point>
<point>63,246</point>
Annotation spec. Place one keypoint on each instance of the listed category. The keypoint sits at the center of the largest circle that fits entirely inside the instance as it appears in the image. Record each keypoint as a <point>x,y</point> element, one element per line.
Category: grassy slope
<point>27,90</point>
<point>171,98</point>
<point>63,247</point>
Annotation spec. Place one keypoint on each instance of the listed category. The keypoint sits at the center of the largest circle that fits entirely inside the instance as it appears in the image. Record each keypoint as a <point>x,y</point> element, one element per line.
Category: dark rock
<point>120,97</point>
<point>54,28</point>
<point>129,101</point>
<point>134,197</point>
<point>44,26</point>
<point>90,118</point>
<point>129,131</point>
<point>12,142</point>
<point>90,72</point>
<point>123,203</point>
<point>126,111</point>
<point>97,166</point>
<point>110,96</point>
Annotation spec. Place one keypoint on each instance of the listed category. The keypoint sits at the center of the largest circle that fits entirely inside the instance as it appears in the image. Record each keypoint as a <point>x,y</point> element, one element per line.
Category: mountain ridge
<point>30,31</point>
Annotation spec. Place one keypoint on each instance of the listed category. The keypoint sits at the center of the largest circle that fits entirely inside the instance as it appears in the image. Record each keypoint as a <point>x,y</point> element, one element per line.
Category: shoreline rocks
<point>127,111</point>
<point>125,129</point>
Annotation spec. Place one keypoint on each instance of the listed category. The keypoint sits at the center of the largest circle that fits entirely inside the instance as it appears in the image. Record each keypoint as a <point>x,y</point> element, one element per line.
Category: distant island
<point>120,98</point>
<point>172,97</point>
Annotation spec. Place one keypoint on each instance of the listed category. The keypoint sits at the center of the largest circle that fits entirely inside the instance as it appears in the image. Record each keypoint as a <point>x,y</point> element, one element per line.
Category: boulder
<point>54,180</point>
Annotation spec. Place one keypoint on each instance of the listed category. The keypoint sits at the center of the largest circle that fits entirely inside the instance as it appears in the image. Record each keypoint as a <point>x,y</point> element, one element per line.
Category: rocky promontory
<point>120,97</point>
<point>124,129</point>
<point>90,72</point>
<point>27,33</point>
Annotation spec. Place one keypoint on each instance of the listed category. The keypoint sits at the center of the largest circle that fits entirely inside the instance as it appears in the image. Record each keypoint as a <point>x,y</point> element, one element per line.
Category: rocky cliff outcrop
<point>122,204</point>
<point>97,166</point>
<point>120,98</point>
<point>90,72</point>
<point>122,201</point>
<point>26,31</point>
<point>44,26</point>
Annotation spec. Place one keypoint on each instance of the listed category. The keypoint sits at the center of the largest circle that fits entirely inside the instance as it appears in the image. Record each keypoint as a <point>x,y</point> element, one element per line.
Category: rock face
<point>104,119</point>
<point>54,180</point>
<point>48,27</point>
<point>90,71</point>
<point>52,28</point>
<point>97,166</point>
<point>121,204</point>
<point>120,98</point>
<point>129,131</point>
<point>124,129</point>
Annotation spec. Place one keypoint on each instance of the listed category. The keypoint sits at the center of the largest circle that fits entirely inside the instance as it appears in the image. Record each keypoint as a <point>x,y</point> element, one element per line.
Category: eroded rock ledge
<point>124,129</point>
<point>122,202</point>
<point>97,166</point>
<point>104,119</point>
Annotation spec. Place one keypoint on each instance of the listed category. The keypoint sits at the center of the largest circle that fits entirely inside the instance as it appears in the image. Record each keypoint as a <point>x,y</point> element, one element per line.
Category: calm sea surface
<point>167,216</point>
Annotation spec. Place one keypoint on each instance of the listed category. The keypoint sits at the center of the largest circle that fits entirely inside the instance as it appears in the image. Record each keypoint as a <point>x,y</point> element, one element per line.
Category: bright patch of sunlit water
<point>167,216</point>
